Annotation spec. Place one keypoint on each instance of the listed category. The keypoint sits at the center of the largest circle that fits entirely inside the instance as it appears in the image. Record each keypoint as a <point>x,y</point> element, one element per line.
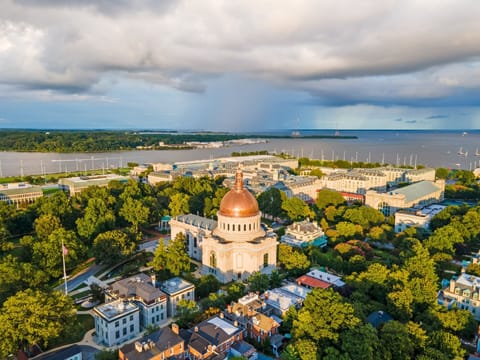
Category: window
<point>195,242</point>
<point>384,208</point>
<point>117,334</point>
<point>132,328</point>
<point>117,323</point>
<point>213,260</point>
<point>124,321</point>
<point>158,318</point>
<point>161,316</point>
<point>265,260</point>
<point>131,317</point>
<point>244,227</point>
<point>124,331</point>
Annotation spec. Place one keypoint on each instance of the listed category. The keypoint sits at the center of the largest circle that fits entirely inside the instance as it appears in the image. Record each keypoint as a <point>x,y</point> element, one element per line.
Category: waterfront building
<point>405,218</point>
<point>462,293</point>
<point>177,289</point>
<point>116,322</point>
<point>162,344</point>
<point>415,195</point>
<point>304,233</point>
<point>141,290</point>
<point>77,184</point>
<point>20,194</point>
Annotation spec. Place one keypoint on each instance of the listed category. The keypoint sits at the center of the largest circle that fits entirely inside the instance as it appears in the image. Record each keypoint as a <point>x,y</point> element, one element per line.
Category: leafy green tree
<point>258,282</point>
<point>290,353</point>
<point>448,344</point>
<point>441,173</point>
<point>364,216</point>
<point>443,240</point>
<point>207,285</point>
<point>16,276</point>
<point>396,342</point>
<point>34,317</point>
<point>297,209</point>
<point>326,197</point>
<point>348,230</point>
<point>291,259</point>
<point>58,205</point>
<point>275,280</point>
<point>186,311</point>
<point>307,349</point>
<point>325,326</point>
<point>98,218</point>
<point>106,355</point>
<point>134,212</point>
<point>360,343</point>
<point>159,261</point>
<point>235,291</point>
<point>178,260</point>
<point>460,322</point>
<point>46,224</point>
<point>270,201</point>
<point>48,254</point>
<point>113,246</point>
<point>179,204</point>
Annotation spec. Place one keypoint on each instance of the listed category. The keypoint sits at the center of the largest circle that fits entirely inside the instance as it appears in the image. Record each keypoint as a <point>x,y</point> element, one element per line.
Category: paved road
<point>79,278</point>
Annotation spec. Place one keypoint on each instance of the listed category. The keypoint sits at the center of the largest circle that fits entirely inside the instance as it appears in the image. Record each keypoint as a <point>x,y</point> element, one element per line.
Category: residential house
<point>163,344</point>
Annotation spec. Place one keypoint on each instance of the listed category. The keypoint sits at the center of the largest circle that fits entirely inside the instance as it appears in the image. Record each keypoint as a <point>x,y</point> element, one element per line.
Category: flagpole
<point>64,269</point>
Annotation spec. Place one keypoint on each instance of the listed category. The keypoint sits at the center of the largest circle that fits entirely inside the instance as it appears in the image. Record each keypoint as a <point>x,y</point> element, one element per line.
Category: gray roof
<point>174,285</point>
<point>61,354</point>
<point>197,220</point>
<point>138,285</point>
<point>163,339</point>
<point>416,191</point>
<point>212,332</point>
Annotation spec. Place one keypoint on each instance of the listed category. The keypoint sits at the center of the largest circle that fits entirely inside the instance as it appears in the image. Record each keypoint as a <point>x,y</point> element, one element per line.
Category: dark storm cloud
<point>340,53</point>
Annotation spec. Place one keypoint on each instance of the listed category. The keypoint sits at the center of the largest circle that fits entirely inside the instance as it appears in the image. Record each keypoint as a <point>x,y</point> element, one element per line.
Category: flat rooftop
<point>116,309</point>
<point>175,285</point>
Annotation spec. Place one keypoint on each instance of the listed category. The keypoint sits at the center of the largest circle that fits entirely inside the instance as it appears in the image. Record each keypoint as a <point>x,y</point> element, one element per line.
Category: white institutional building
<point>236,245</point>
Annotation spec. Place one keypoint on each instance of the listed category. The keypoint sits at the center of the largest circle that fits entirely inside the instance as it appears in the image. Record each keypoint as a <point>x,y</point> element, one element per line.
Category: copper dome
<point>239,202</point>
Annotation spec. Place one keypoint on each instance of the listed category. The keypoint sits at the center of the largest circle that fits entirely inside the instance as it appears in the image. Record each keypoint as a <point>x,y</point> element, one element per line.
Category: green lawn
<point>75,333</point>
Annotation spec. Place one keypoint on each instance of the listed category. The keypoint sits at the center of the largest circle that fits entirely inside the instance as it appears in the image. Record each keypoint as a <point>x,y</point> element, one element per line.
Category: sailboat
<point>477,153</point>
<point>460,152</point>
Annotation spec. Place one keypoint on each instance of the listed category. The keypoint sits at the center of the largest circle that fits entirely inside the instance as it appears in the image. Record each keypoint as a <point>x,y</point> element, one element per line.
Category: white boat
<point>477,153</point>
<point>460,152</point>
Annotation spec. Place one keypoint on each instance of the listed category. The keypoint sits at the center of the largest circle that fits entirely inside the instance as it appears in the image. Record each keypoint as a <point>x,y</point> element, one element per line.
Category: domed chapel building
<point>236,245</point>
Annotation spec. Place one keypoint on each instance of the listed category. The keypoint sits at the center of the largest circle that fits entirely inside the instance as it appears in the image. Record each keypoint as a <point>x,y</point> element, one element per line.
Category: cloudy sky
<point>240,65</point>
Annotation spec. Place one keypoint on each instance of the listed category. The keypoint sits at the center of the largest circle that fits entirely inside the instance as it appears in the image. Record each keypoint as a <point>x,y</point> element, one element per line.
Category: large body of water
<point>430,148</point>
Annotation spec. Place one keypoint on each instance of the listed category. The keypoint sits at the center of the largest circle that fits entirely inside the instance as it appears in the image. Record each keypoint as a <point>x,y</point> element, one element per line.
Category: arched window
<point>213,260</point>
<point>250,227</point>
<point>244,227</point>
<point>265,260</point>
<point>228,227</point>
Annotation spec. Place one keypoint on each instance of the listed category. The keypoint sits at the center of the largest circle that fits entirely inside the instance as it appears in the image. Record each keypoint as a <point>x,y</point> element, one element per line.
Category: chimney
<point>229,308</point>
<point>153,277</point>
<point>221,315</point>
<point>250,312</point>
<point>175,328</point>
<point>235,323</point>
<point>138,346</point>
<point>195,329</point>
<point>266,295</point>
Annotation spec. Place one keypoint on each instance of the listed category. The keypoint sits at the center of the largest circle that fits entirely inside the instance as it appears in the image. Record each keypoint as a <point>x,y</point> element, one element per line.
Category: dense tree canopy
<point>33,317</point>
